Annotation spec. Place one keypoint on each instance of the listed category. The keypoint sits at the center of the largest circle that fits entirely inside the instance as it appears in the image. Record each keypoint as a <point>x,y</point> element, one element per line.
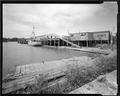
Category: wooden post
<point>95,43</point>
<point>55,42</point>
<point>87,43</point>
<point>50,41</point>
<point>58,42</point>
<point>108,42</point>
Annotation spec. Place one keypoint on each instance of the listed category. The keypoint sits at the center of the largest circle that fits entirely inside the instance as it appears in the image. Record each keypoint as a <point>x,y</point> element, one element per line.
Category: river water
<point>18,54</point>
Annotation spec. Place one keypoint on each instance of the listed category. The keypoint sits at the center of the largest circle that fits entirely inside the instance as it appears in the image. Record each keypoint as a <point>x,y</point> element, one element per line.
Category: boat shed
<point>90,38</point>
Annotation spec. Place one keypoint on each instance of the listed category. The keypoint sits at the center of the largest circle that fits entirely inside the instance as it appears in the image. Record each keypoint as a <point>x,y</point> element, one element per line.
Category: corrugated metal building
<point>90,38</point>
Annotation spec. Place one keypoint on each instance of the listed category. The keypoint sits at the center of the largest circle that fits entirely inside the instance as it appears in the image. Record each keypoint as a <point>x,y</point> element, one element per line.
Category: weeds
<point>79,76</point>
<point>105,64</point>
<point>37,87</point>
<point>106,46</point>
<point>76,77</point>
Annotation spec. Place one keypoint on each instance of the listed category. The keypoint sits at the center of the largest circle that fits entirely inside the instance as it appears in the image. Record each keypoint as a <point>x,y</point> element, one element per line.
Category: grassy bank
<point>76,77</point>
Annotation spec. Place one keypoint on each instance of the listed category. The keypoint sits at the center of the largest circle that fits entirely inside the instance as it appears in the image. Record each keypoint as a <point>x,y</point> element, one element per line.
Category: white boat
<point>32,41</point>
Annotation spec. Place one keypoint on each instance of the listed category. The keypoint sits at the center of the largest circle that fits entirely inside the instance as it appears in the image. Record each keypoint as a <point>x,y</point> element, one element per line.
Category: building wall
<point>88,36</point>
<point>79,36</point>
<point>101,36</point>
<point>47,36</point>
<point>66,37</point>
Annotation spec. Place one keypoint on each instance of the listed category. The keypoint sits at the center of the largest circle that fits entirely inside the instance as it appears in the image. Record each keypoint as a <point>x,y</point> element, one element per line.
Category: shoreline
<point>84,49</point>
<point>33,70</point>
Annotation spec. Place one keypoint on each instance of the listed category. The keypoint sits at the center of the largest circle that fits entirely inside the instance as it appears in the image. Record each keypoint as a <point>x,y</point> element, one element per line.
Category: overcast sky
<point>18,19</point>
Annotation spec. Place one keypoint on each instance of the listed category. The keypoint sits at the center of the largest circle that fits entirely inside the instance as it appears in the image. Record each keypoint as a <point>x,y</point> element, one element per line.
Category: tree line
<point>14,39</point>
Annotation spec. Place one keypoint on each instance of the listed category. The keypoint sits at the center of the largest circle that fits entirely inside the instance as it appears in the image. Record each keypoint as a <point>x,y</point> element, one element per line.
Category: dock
<point>75,40</point>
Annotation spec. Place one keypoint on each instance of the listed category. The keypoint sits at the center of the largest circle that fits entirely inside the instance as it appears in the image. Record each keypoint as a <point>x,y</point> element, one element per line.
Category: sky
<point>61,19</point>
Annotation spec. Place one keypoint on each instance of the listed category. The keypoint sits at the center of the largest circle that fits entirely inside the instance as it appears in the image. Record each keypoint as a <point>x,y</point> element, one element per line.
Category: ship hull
<point>34,43</point>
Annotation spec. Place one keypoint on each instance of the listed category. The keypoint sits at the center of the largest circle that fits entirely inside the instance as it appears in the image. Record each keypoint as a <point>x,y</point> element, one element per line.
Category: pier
<point>55,40</point>
<point>77,40</point>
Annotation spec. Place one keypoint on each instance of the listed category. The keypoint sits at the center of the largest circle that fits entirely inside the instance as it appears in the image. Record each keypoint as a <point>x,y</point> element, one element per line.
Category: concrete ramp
<point>72,44</point>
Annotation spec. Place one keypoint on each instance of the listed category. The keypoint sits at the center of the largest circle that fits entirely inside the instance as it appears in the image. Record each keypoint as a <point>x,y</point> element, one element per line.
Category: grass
<point>40,82</point>
<point>76,77</point>
<point>106,46</point>
<point>105,64</point>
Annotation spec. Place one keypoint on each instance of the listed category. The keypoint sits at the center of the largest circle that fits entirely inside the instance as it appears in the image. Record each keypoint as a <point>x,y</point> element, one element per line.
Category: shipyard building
<point>85,39</point>
<point>89,38</point>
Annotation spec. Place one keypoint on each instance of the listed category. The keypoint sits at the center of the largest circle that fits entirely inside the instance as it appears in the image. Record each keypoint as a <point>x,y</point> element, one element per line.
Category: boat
<point>33,41</point>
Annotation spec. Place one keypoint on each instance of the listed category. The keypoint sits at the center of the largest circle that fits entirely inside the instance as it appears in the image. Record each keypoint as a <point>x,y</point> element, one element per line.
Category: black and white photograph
<point>52,48</point>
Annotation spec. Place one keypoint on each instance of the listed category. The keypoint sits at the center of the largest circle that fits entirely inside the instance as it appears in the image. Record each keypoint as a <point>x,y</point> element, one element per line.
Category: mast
<point>33,33</point>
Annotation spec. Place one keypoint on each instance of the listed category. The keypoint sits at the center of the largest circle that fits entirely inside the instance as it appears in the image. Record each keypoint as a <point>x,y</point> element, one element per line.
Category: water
<point>17,54</point>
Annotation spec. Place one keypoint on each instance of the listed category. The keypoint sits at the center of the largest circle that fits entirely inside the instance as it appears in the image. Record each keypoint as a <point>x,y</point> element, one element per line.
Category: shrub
<point>56,89</point>
<point>40,82</point>
<point>106,64</point>
<point>80,76</point>
<point>59,88</point>
<point>106,46</point>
